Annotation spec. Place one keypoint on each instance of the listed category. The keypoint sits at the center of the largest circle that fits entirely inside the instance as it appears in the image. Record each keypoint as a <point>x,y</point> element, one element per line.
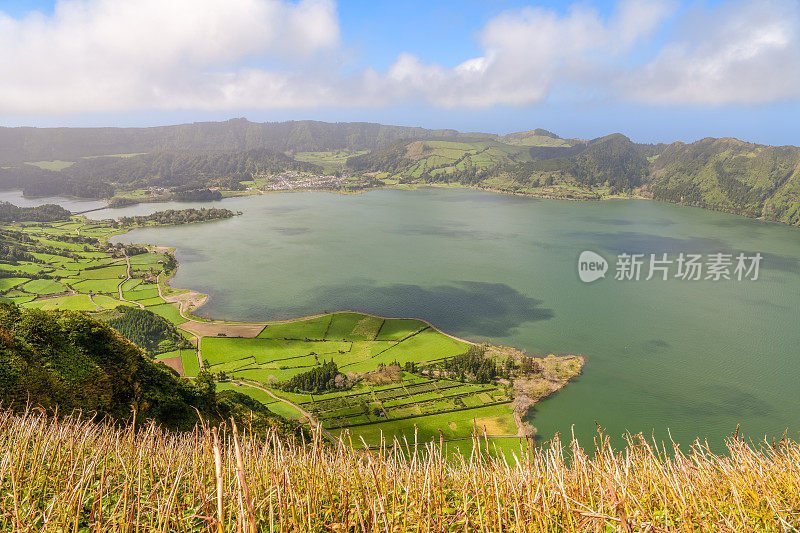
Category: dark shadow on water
<point>289,232</point>
<point>648,243</point>
<point>783,263</point>
<point>715,400</point>
<point>450,230</point>
<point>656,344</point>
<point>625,222</point>
<point>483,309</point>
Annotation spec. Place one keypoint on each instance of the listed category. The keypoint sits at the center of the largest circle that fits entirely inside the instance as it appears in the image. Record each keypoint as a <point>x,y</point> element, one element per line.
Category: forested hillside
<point>67,360</point>
<point>206,161</point>
<point>147,330</point>
<point>722,174</point>
<point>731,175</point>
<point>43,213</point>
<point>100,177</point>
<point>18,145</point>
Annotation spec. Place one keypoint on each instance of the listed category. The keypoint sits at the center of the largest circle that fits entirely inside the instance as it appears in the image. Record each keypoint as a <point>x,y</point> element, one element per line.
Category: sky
<point>655,70</point>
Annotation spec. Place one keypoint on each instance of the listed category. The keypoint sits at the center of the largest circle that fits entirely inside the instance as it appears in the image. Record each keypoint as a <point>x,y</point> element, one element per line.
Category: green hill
<point>19,145</point>
<point>145,329</point>
<point>67,360</point>
<point>211,160</point>
<point>723,174</point>
<point>731,175</point>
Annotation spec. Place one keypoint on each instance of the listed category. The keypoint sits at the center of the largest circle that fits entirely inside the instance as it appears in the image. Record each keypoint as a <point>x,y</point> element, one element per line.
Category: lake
<point>73,204</point>
<point>681,358</point>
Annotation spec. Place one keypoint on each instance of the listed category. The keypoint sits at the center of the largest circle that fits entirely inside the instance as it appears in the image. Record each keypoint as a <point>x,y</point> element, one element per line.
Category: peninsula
<point>372,377</point>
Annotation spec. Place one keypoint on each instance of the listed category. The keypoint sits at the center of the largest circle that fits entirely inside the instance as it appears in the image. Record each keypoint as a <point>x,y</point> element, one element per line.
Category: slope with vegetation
<point>207,161</point>
<point>65,360</point>
<point>147,330</point>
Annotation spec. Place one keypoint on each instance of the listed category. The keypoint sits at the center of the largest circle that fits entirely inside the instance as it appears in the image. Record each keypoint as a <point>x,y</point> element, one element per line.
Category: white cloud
<point>119,55</point>
<point>135,54</point>
<point>745,52</point>
<point>528,51</point>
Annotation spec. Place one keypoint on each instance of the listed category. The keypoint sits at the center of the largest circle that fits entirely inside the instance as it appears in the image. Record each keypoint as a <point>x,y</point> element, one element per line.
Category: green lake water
<point>680,358</point>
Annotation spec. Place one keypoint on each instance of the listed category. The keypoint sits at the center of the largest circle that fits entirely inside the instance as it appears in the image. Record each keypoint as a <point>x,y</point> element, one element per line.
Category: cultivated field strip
<point>358,343</point>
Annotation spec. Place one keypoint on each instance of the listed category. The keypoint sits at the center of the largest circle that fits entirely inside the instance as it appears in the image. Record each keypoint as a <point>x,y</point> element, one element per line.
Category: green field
<point>105,286</point>
<point>452,425</point>
<point>191,367</point>
<point>361,345</point>
<point>168,311</point>
<point>43,286</point>
<point>329,161</point>
<point>56,165</point>
<point>314,328</point>
<point>75,302</point>
<point>107,302</point>
<point>72,255</point>
<point>400,328</point>
<point>8,283</point>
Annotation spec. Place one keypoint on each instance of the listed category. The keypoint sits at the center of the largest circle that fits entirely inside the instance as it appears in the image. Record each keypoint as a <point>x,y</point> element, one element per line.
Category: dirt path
<point>96,305</point>
<point>311,420</point>
<point>121,283</point>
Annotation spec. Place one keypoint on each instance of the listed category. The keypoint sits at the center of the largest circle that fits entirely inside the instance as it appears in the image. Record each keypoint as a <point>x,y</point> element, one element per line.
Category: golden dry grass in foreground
<point>75,475</point>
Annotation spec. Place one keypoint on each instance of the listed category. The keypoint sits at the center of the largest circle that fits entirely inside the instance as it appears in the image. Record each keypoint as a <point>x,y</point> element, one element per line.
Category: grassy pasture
<point>453,425</point>
<point>191,367</point>
<point>278,352</point>
<point>314,329</point>
<point>107,302</point>
<point>43,286</point>
<point>428,345</point>
<point>151,301</point>
<point>399,328</point>
<point>130,284</point>
<point>353,326</point>
<point>56,165</point>
<point>168,311</point>
<point>144,291</point>
<point>146,259</point>
<point>361,343</point>
<point>73,302</point>
<point>9,283</point>
<point>17,299</point>
<point>25,268</point>
<point>107,286</point>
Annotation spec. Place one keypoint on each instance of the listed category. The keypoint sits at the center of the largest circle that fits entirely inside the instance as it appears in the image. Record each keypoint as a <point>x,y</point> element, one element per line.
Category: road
<point>127,277</point>
<point>311,420</point>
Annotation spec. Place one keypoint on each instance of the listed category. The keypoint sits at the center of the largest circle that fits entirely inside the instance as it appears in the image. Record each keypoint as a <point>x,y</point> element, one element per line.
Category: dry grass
<point>77,475</point>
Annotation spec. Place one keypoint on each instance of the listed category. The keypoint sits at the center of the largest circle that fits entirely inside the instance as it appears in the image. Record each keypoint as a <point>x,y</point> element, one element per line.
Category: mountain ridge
<point>725,174</point>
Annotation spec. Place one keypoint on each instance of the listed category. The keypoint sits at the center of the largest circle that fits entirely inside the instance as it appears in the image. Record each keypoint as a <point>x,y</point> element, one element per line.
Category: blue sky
<point>654,70</point>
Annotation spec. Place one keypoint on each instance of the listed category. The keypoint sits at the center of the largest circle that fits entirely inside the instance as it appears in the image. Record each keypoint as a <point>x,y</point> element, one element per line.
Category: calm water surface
<point>73,204</point>
<point>675,358</point>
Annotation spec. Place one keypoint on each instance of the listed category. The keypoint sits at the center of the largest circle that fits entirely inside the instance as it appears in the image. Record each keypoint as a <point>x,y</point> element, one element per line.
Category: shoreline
<point>225,327</point>
<point>416,186</point>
